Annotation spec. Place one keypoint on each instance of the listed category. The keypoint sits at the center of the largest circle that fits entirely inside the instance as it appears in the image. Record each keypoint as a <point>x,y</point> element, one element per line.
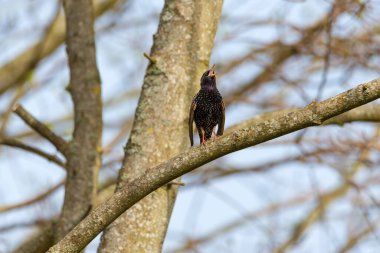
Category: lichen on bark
<point>181,49</point>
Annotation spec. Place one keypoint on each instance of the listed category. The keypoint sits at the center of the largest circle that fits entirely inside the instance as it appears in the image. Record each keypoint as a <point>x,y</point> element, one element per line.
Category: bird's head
<point>208,79</point>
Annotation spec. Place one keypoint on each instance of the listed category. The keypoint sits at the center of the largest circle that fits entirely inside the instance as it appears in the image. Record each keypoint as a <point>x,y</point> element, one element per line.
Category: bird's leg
<point>203,136</point>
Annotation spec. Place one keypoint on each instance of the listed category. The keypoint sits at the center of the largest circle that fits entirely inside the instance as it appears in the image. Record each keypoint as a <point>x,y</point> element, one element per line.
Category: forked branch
<point>41,128</point>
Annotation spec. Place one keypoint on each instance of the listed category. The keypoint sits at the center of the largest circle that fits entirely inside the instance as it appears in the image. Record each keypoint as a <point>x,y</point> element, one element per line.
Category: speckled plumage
<point>207,109</point>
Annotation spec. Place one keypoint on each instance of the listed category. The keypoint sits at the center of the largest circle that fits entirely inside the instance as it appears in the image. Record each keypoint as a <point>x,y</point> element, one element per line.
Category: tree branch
<point>41,128</point>
<point>325,200</point>
<point>18,144</point>
<point>84,151</point>
<point>368,113</point>
<point>32,200</point>
<point>44,238</point>
<point>14,72</point>
<point>352,241</point>
<point>39,241</point>
<point>312,115</point>
<point>235,224</point>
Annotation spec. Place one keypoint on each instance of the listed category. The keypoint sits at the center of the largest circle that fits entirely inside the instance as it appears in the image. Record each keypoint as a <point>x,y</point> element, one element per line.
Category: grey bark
<point>312,115</point>
<point>83,152</point>
<point>180,53</point>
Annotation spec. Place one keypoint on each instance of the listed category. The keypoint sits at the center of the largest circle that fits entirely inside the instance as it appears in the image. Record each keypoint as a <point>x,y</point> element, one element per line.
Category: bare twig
<point>13,73</point>
<point>281,54</point>
<point>38,242</point>
<point>41,128</point>
<point>219,172</point>
<point>325,200</point>
<point>266,211</point>
<point>38,222</point>
<point>352,241</point>
<point>326,65</point>
<point>6,115</point>
<point>18,144</point>
<point>150,59</point>
<point>176,183</point>
<point>44,238</point>
<point>119,136</point>
<point>32,200</point>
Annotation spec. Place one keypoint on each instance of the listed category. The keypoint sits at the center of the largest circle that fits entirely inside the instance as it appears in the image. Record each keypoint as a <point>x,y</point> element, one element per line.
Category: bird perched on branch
<point>207,109</point>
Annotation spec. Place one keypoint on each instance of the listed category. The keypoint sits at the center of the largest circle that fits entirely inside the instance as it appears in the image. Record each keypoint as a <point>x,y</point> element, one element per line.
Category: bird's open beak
<point>211,73</point>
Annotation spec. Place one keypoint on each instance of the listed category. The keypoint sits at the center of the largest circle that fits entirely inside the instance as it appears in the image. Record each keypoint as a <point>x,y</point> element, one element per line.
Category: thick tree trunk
<point>181,51</point>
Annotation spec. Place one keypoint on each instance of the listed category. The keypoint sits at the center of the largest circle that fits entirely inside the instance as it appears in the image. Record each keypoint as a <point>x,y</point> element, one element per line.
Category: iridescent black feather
<point>207,109</point>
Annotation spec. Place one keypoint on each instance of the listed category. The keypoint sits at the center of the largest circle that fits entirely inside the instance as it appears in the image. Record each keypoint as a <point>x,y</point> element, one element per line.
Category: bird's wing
<point>191,119</point>
<point>222,119</point>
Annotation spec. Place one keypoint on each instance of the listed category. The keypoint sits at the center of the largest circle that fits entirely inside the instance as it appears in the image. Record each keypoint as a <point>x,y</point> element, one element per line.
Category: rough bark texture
<point>128,195</point>
<point>83,154</point>
<point>181,52</point>
<point>368,113</point>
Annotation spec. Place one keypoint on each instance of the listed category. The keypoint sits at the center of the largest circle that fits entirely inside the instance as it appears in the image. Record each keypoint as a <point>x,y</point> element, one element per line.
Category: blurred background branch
<point>271,58</point>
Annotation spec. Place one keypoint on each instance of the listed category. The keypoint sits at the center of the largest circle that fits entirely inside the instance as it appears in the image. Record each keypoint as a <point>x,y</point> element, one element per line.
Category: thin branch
<point>219,172</point>
<point>176,183</point>
<point>266,211</point>
<point>325,200</point>
<point>312,115</point>
<point>39,241</point>
<point>282,53</point>
<point>352,241</point>
<point>326,65</point>
<point>14,72</point>
<point>22,224</point>
<point>152,60</point>
<point>44,238</point>
<point>18,144</point>
<point>32,200</point>
<point>125,129</point>
<point>6,115</point>
<point>41,128</point>
<point>367,113</point>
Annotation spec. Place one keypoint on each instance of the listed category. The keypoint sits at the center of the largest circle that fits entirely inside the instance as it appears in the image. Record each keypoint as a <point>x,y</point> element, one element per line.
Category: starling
<point>207,109</point>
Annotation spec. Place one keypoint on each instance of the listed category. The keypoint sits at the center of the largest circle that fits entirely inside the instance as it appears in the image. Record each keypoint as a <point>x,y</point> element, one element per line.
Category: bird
<point>207,109</point>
